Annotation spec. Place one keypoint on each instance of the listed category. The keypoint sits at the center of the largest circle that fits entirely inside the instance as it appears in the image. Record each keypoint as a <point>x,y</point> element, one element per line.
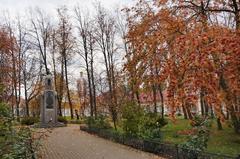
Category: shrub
<point>89,121</point>
<point>131,115</point>
<point>16,142</point>
<point>75,122</point>
<point>187,132</point>
<point>6,119</point>
<point>62,119</point>
<point>23,146</point>
<point>179,114</point>
<point>150,127</point>
<point>138,123</point>
<point>29,120</point>
<point>4,112</point>
<point>175,135</point>
<point>102,122</point>
<point>197,142</point>
<point>99,122</point>
<point>197,121</point>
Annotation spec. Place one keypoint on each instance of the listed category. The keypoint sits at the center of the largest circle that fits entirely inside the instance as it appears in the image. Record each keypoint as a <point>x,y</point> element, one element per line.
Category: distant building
<point>75,103</point>
<point>82,87</point>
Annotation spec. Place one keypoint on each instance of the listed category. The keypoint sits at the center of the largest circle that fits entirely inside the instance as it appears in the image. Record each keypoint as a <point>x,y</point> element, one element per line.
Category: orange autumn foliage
<point>191,54</point>
<point>7,48</point>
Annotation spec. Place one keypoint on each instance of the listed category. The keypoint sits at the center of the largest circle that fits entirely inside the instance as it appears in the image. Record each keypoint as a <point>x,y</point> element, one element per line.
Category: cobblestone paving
<point>71,143</point>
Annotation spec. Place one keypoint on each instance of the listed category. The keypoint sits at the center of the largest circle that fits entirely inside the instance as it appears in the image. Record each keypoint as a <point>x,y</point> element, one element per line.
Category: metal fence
<point>158,148</point>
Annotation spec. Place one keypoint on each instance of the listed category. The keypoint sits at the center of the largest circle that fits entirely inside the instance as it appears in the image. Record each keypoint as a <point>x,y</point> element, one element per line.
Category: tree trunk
<point>236,13</point>
<point>94,96</point>
<point>138,98</point>
<point>67,86</point>
<point>14,79</point>
<point>206,106</point>
<point>162,100</point>
<point>132,92</point>
<point>55,81</point>
<point>88,73</point>
<point>90,89</point>
<point>227,116</point>
<point>113,111</point>
<point>211,111</point>
<point>235,121</point>
<point>154,98</point>
<point>184,112</point>
<point>234,118</point>
<point>92,77</point>
<point>60,93</point>
<point>219,124</point>
<point>19,77</point>
<point>25,92</point>
<point>93,90</point>
<point>12,105</point>
<point>189,112</point>
<point>202,103</point>
<point>112,73</point>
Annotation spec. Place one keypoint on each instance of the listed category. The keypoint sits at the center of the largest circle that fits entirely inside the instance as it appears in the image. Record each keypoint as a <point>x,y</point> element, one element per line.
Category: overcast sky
<point>16,6</point>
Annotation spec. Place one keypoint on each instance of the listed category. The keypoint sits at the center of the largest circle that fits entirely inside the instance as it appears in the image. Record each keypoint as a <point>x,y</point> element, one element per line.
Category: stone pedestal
<point>49,107</point>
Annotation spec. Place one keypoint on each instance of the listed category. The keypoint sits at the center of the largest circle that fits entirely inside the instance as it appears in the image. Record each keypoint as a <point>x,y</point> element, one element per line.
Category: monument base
<point>50,125</point>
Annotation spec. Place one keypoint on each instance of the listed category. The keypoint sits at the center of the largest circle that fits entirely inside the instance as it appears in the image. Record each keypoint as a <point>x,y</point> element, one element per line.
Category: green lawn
<point>224,141</point>
<point>1,140</point>
<point>68,117</point>
<point>74,120</point>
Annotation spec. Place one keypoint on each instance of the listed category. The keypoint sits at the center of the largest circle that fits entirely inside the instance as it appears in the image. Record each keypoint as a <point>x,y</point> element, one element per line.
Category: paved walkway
<point>71,143</point>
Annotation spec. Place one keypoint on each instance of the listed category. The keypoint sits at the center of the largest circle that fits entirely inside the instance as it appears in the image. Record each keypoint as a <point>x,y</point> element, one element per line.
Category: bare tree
<point>58,75</point>
<point>105,37</point>
<point>41,34</point>
<point>86,31</point>
<point>65,42</point>
<point>91,47</point>
<point>27,66</point>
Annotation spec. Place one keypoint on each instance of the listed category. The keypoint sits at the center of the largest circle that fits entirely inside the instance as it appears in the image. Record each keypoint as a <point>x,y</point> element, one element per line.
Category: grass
<point>170,134</point>
<point>1,139</point>
<point>69,118</point>
<point>74,120</point>
<point>224,141</point>
<point>221,141</point>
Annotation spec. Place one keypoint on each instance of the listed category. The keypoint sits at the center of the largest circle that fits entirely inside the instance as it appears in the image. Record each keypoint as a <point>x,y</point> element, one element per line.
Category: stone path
<point>71,143</point>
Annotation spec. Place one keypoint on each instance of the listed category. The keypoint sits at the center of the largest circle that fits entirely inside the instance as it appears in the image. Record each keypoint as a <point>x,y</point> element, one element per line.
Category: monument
<point>49,107</point>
